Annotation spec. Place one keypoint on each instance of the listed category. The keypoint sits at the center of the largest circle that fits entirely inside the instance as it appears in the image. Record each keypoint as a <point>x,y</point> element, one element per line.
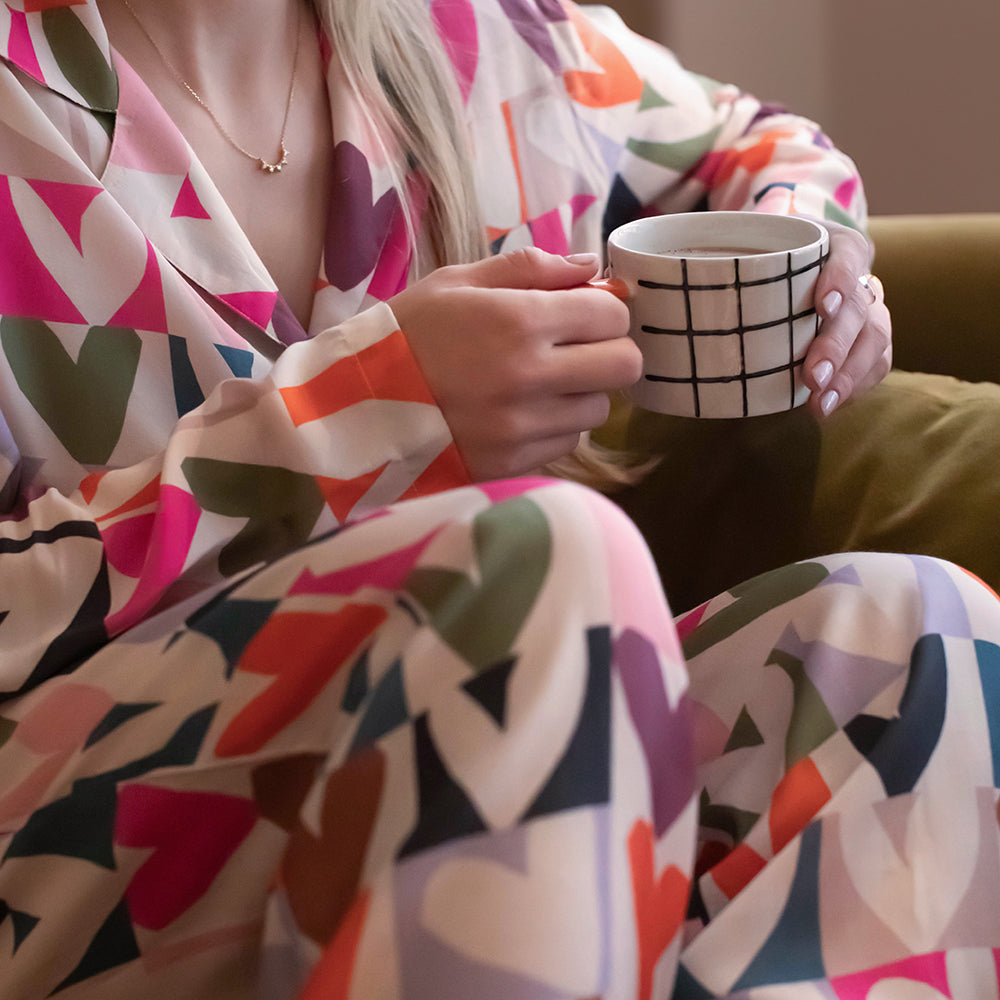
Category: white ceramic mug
<point>722,309</point>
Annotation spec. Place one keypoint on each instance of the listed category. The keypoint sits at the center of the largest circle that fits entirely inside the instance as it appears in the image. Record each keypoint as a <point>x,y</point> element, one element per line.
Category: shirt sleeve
<point>690,142</point>
<point>340,426</point>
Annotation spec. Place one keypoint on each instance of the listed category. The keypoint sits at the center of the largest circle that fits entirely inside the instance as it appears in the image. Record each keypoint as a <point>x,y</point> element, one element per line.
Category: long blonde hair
<point>395,60</point>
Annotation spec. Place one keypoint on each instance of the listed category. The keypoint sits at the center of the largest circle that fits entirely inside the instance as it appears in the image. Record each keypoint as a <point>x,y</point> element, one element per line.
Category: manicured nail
<point>822,373</point>
<point>832,303</point>
<point>828,402</point>
<point>615,286</point>
<point>583,258</point>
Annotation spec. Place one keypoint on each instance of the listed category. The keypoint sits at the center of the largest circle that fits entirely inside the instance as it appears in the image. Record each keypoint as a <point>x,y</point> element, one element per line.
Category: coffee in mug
<point>714,251</point>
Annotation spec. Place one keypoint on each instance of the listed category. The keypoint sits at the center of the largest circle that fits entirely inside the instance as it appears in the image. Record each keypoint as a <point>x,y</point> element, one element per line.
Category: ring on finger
<point>871,285</point>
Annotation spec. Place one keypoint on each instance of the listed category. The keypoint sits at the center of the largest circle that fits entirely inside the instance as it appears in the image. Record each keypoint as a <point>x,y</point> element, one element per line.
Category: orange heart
<point>301,651</point>
<point>660,903</point>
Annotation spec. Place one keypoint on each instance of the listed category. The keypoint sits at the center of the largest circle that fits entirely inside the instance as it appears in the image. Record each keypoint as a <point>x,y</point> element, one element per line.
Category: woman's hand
<point>853,350</point>
<point>520,354</point>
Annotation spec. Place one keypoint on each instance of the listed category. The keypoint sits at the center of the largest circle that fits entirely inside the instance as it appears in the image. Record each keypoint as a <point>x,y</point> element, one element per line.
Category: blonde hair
<point>395,61</point>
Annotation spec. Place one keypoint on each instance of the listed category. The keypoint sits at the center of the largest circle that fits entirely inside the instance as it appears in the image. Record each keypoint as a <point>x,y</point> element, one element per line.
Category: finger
<point>867,362</point>
<point>850,256</point>
<point>570,414</point>
<point>531,421</point>
<point>529,268</point>
<point>862,369</point>
<point>559,317</point>
<point>834,341</point>
<point>838,333</point>
<point>557,425</point>
<point>581,316</point>
<point>604,366</point>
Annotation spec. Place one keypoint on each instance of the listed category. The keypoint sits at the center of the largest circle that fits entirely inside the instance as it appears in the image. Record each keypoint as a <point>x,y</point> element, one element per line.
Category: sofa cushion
<point>912,466</point>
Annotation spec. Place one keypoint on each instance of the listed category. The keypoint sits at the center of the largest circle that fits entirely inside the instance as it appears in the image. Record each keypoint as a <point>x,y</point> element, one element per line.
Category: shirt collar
<point>63,45</point>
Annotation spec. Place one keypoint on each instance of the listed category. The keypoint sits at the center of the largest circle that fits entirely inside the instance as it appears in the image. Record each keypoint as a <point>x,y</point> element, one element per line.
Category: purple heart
<point>357,228</point>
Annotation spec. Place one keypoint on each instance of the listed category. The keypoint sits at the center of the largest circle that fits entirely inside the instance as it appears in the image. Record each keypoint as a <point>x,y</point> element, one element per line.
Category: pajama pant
<point>462,750</point>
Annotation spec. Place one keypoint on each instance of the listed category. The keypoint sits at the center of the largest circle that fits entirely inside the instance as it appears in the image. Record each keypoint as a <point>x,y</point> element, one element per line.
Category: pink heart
<point>192,835</point>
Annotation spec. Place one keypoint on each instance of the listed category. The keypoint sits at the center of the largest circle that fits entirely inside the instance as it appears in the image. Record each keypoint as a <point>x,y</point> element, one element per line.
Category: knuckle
<point>625,369</point>
<point>618,321</point>
<point>620,363</point>
<point>506,427</point>
<point>883,325</point>
<point>861,308</point>
<point>519,372</point>
<point>449,276</point>
<point>517,313</point>
<point>859,243</point>
<point>834,346</point>
<point>527,258</point>
<point>846,383</point>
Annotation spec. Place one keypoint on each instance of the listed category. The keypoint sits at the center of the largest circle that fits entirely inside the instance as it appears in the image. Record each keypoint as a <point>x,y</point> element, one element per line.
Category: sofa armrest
<point>942,284</point>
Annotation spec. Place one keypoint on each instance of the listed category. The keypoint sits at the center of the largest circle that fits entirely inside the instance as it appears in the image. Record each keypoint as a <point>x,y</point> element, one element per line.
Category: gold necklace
<point>266,166</point>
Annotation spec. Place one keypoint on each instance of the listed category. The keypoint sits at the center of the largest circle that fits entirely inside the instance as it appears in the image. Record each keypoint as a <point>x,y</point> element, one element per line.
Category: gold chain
<point>267,167</point>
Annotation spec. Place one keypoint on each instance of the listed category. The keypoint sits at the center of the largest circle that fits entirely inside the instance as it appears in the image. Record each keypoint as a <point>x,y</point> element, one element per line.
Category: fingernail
<point>828,403</point>
<point>822,373</point>
<point>583,258</point>
<point>832,303</point>
<point>615,286</point>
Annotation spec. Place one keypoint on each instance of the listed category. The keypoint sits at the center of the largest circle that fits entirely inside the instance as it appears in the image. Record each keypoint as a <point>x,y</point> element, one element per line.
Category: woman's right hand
<point>520,353</point>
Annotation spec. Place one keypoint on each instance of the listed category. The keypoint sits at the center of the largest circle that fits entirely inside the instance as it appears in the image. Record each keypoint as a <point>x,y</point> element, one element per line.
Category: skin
<point>548,348</point>
<point>550,343</point>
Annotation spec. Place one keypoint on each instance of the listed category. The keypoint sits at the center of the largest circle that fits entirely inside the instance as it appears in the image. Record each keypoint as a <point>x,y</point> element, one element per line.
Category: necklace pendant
<point>274,168</point>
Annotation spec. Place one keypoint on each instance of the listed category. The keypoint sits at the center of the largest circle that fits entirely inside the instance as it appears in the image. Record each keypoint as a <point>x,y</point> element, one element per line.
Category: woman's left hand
<point>853,350</point>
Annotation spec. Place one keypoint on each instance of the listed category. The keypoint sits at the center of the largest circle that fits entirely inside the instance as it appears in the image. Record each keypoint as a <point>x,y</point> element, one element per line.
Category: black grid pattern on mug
<point>698,379</point>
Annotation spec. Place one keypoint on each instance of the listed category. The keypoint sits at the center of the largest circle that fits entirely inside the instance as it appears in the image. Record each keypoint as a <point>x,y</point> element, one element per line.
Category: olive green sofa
<point>912,466</point>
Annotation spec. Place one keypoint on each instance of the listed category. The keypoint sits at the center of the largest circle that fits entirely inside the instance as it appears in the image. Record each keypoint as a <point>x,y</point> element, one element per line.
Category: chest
<point>229,124</point>
<point>282,213</point>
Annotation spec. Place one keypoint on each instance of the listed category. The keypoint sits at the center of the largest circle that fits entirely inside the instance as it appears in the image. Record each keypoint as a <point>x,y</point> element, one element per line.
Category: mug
<point>722,308</point>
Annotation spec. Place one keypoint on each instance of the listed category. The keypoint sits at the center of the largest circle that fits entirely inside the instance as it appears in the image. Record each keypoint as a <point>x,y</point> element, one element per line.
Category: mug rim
<point>720,220</point>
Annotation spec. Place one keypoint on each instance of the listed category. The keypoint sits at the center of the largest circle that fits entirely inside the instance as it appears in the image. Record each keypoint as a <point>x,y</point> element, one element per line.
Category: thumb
<point>533,268</point>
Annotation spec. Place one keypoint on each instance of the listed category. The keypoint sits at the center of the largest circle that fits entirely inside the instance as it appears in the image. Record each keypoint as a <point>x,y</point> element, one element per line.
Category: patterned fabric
<point>292,710</point>
<point>129,293</point>
<point>847,728</point>
<point>390,725</point>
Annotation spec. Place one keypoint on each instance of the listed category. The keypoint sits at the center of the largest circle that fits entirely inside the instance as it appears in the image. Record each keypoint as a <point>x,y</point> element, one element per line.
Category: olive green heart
<point>281,507</point>
<point>80,59</point>
<point>84,401</point>
<point>481,618</point>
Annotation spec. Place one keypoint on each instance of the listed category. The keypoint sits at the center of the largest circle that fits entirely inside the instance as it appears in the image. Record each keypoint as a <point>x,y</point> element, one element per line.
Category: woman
<point>313,689</point>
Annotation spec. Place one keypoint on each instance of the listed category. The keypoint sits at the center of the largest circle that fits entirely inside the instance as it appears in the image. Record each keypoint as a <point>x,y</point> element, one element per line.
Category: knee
<point>548,552</point>
<point>586,528</point>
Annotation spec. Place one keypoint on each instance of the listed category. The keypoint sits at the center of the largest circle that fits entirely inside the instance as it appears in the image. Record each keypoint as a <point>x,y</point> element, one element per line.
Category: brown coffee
<point>715,251</point>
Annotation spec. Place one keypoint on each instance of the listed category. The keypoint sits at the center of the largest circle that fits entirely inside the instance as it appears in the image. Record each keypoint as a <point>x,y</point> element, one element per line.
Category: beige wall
<point>910,88</point>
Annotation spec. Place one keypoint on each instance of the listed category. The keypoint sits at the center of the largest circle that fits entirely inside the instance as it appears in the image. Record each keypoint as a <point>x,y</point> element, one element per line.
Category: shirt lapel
<point>63,45</point>
<point>154,175</point>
